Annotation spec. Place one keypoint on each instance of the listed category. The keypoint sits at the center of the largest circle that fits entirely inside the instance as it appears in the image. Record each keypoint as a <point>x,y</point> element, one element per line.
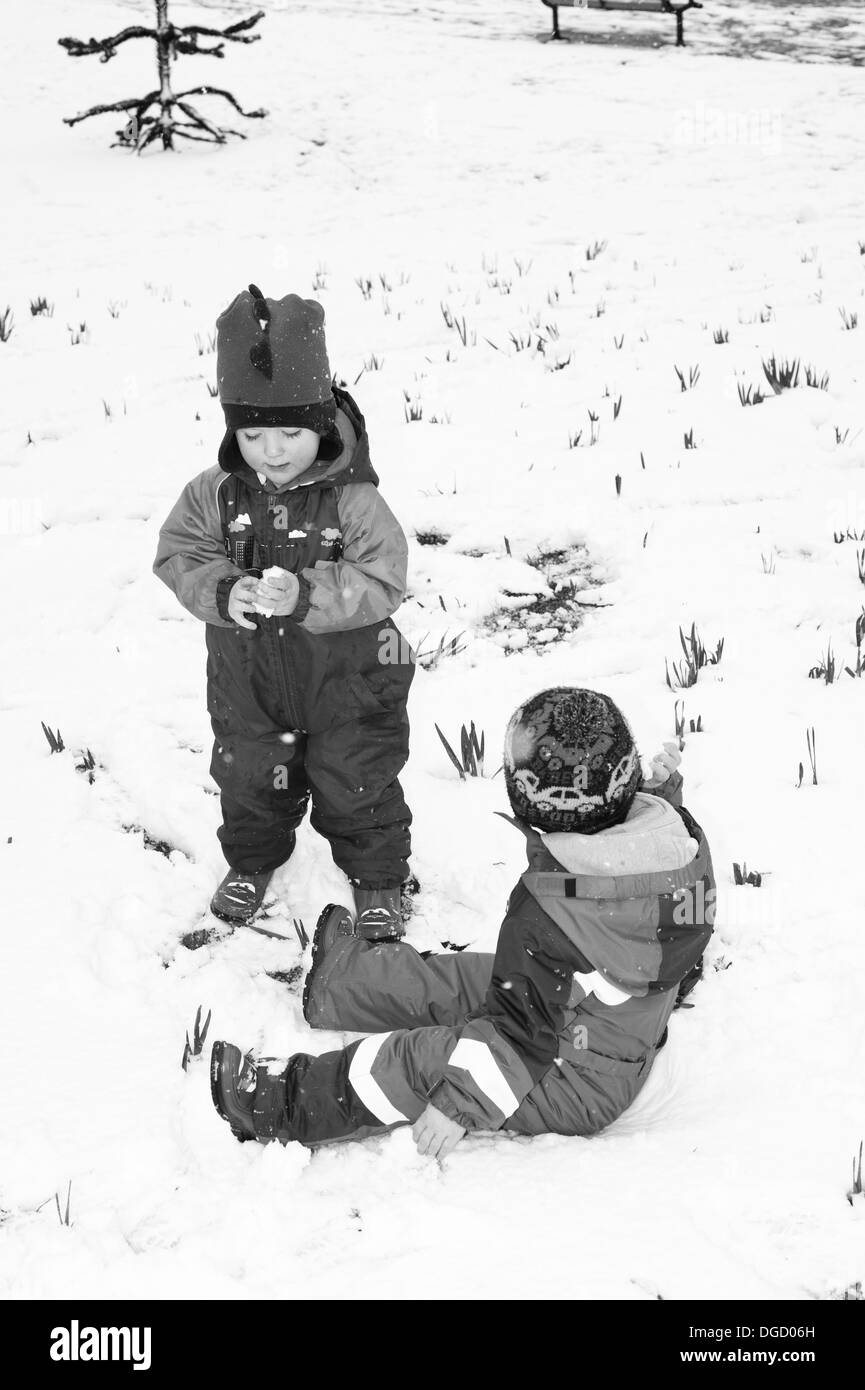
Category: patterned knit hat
<point>271,363</point>
<point>570,761</point>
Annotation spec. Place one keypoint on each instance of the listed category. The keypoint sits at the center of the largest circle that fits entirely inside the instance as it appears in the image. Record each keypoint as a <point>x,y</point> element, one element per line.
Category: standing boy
<point>289,554</point>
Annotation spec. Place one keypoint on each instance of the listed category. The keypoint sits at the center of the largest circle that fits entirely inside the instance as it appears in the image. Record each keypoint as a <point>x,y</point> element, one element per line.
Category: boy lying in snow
<point>294,561</point>
<point>557,1032</point>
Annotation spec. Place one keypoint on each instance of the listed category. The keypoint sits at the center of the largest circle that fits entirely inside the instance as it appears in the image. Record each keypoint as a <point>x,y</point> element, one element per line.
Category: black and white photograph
<point>432,530</point>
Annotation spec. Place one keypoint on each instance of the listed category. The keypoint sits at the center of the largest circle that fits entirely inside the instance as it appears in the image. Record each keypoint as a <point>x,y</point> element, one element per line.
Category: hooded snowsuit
<point>554,1034</point>
<point>315,702</point>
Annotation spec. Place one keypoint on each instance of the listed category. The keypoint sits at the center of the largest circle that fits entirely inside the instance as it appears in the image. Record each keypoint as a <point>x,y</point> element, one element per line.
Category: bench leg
<point>680,28</point>
<point>556,34</point>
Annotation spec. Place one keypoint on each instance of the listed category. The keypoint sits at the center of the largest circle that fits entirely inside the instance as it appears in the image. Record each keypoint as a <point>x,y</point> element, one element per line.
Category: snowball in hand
<point>273,574</point>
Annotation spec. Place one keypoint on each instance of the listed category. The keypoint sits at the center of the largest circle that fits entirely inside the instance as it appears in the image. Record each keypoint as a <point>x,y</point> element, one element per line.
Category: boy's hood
<point>608,902</point>
<point>352,464</point>
<point>650,838</point>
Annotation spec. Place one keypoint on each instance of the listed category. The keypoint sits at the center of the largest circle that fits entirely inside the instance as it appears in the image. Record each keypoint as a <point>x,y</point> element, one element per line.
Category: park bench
<point>674,7</point>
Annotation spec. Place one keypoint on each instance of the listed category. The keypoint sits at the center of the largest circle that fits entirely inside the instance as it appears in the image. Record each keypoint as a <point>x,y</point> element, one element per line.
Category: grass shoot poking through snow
<point>431,657</point>
<point>817,379</point>
<point>857,1190</point>
<point>64,1214</point>
<point>689,381</point>
<point>470,763</point>
<point>781,375</point>
<point>55,740</point>
<point>811,740</point>
<point>199,1037</point>
<point>825,669</point>
<point>694,726</point>
<point>741,875</point>
<point>697,655</point>
<point>859,635</point>
<point>750,395</point>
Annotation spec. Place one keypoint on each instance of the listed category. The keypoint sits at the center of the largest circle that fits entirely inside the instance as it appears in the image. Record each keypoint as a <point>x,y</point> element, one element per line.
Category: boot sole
<point>238,919</point>
<point>244,912</point>
<point>320,951</point>
<point>226,1061</point>
<point>232,918</point>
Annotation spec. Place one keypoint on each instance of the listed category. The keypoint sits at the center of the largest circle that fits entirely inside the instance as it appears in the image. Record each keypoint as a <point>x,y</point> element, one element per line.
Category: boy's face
<point>280,454</point>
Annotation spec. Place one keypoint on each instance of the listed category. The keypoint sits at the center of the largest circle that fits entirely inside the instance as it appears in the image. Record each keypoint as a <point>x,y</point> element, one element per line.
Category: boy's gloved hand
<point>663,766</point>
<point>241,600</point>
<point>435,1134</point>
<point>277,593</point>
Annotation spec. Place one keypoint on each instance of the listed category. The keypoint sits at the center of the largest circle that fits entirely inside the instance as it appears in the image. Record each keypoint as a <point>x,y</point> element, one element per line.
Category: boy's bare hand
<point>664,764</point>
<point>278,594</point>
<point>241,599</point>
<point>435,1134</point>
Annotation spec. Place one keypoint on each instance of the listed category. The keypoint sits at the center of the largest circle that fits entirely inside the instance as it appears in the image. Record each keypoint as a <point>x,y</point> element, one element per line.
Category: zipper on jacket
<point>289,691</point>
<point>272,625</point>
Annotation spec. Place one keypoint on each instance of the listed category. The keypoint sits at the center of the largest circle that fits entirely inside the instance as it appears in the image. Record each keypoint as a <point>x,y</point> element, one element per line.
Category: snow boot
<point>249,1098</point>
<point>334,924</point>
<point>379,914</point>
<point>240,895</point>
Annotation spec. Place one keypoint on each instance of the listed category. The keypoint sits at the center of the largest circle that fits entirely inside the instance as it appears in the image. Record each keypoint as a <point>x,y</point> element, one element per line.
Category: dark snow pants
<point>347,757</point>
<point>386,1079</point>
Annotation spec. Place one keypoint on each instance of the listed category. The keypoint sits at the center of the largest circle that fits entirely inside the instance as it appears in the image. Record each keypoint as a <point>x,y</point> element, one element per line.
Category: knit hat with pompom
<point>570,761</point>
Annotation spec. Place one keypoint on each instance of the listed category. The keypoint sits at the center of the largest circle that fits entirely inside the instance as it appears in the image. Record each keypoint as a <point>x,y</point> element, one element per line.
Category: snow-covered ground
<point>592,215</point>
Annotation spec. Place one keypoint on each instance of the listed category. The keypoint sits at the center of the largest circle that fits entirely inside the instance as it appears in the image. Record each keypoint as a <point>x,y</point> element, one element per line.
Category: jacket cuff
<point>441,1096</point>
<point>304,599</point>
<point>223,589</point>
<point>671,790</point>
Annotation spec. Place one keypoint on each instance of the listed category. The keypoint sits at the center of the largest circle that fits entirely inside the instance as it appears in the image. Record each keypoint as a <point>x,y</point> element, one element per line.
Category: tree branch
<point>245,23</point>
<point>101,110</point>
<point>192,47</point>
<point>197,119</point>
<point>204,139</point>
<point>232,33</point>
<point>221,92</point>
<point>154,131</point>
<point>79,48</point>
